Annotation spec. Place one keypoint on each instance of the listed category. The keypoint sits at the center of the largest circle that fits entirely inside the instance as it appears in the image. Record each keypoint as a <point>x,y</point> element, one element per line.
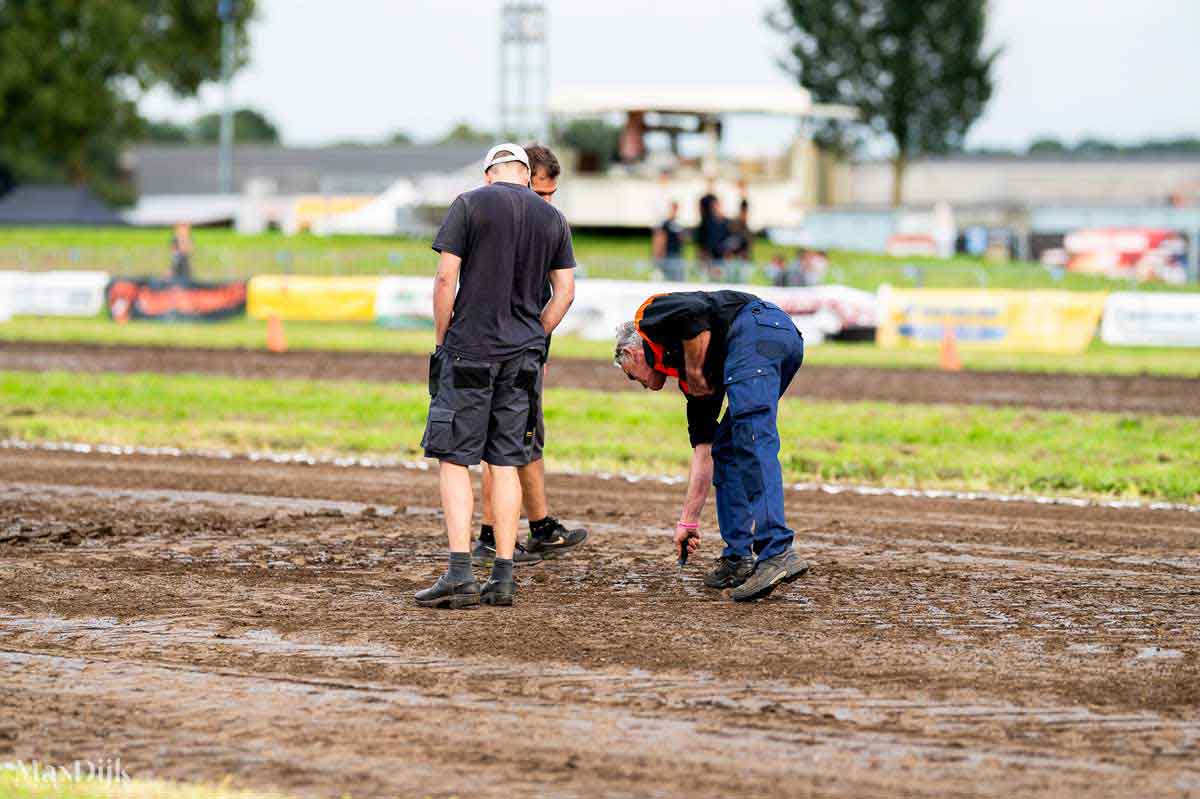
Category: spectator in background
<point>738,244</point>
<point>668,245</point>
<point>704,230</point>
<point>715,242</point>
<point>181,253</point>
<point>776,270</point>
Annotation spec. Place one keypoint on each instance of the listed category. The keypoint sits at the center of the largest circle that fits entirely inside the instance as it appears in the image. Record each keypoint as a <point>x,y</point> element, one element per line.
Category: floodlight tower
<point>225,11</point>
<point>524,69</point>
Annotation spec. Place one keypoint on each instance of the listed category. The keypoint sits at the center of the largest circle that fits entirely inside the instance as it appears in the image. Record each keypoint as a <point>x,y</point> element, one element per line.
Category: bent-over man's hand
<point>686,536</point>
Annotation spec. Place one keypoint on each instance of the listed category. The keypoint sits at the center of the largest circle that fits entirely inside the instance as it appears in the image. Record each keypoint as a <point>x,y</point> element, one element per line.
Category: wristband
<point>688,525</point>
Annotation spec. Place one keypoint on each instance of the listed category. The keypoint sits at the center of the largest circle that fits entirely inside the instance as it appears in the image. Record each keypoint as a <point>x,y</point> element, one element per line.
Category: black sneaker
<point>730,572</point>
<point>552,539</point>
<point>769,573</point>
<point>445,594</point>
<point>497,592</point>
<point>483,554</point>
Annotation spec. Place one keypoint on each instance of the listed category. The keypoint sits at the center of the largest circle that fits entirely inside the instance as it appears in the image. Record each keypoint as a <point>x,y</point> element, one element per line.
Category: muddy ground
<point>203,618</point>
<point>1129,394</point>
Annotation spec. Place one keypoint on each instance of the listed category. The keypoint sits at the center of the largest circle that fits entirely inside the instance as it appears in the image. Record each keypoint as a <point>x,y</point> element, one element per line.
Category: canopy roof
<point>715,100</point>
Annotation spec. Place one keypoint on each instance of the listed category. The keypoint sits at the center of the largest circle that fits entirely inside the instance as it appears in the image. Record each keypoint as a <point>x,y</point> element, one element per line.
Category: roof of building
<point>55,205</point>
<point>781,100</point>
<point>348,169</point>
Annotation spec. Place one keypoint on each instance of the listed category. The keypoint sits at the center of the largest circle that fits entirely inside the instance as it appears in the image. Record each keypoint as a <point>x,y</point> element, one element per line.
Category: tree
<point>164,131</point>
<point>916,70</point>
<point>401,137</point>
<point>72,71</point>
<point>1047,144</point>
<point>463,133</point>
<point>593,139</point>
<point>248,126</point>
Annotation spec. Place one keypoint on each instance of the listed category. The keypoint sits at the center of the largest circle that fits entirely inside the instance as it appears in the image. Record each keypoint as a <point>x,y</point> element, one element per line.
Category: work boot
<point>498,592</point>
<point>483,553</point>
<point>548,538</point>
<point>445,594</point>
<point>730,572</point>
<point>783,568</point>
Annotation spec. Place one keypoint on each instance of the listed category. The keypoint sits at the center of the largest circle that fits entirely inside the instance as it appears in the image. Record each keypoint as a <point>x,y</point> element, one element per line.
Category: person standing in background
<point>181,253</point>
<point>667,242</point>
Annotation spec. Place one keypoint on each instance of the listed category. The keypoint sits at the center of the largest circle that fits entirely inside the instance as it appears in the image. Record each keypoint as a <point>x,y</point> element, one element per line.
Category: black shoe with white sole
<point>730,572</point>
<point>783,568</point>
<point>446,594</point>
<point>549,538</point>
<point>483,553</point>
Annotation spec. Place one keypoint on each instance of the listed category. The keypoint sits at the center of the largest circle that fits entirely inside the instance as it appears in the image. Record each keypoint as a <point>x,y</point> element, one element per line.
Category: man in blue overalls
<point>726,344</point>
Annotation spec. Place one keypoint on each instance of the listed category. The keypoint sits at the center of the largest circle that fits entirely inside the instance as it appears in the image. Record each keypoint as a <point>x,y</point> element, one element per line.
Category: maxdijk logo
<point>105,771</point>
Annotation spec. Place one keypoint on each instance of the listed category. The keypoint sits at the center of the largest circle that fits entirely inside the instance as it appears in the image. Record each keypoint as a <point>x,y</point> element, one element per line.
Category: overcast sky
<point>361,69</point>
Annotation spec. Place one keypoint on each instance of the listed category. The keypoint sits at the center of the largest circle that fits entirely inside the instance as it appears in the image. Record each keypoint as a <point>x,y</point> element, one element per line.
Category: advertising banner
<point>174,301</point>
<point>58,293</point>
<point>1012,321</point>
<point>600,305</point>
<point>1137,319</point>
<point>321,299</point>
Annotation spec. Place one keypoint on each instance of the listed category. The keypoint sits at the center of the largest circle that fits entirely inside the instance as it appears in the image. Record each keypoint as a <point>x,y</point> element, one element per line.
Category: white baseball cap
<point>518,154</point>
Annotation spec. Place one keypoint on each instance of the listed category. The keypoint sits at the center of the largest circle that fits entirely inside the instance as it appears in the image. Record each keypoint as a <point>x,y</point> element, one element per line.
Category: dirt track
<point>1130,394</point>
<point>200,618</point>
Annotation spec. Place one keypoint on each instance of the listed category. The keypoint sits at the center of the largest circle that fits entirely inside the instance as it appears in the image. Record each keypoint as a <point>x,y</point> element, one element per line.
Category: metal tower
<point>524,70</point>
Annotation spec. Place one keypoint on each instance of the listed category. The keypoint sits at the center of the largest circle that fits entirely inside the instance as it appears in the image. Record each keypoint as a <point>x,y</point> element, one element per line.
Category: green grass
<point>17,785</point>
<point>249,334</point>
<point>960,447</point>
<point>224,254</point>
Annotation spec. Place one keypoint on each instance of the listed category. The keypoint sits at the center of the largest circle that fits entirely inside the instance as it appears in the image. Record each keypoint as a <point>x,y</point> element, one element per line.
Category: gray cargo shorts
<point>484,411</point>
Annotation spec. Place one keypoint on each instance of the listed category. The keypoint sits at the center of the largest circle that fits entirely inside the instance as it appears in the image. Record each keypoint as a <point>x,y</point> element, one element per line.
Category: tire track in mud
<point>233,618</point>
<point>643,711</point>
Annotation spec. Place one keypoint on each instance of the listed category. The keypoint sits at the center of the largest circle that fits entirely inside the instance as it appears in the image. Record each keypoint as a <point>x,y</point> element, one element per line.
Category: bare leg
<point>533,489</point>
<point>488,517</point>
<point>458,502</point>
<point>506,505</point>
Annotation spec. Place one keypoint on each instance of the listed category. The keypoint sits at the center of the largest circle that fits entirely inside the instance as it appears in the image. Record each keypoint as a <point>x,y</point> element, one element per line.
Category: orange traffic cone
<point>950,360</point>
<point>276,340</point>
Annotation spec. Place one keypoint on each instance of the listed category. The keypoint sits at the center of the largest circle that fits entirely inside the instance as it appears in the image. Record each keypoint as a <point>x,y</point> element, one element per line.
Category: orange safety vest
<point>659,364</point>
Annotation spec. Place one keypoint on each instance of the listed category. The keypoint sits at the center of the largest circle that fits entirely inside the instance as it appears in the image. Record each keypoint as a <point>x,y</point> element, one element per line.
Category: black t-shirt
<point>674,238</point>
<point>666,320</point>
<point>509,240</point>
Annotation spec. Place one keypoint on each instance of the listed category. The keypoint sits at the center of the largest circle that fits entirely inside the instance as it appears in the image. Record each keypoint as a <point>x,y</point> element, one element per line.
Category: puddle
<point>1158,653</point>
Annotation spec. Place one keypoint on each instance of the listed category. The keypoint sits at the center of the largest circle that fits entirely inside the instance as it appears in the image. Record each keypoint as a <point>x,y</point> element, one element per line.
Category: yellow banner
<point>299,298</point>
<point>1012,321</point>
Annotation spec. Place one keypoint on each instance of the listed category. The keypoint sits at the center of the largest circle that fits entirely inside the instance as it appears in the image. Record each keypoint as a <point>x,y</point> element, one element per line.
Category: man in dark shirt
<point>548,537</point>
<point>726,344</point>
<point>498,245</point>
<point>668,245</point>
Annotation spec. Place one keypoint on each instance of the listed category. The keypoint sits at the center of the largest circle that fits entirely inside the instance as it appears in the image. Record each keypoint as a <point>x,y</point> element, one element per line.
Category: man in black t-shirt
<point>548,537</point>
<point>718,345</point>
<point>498,245</point>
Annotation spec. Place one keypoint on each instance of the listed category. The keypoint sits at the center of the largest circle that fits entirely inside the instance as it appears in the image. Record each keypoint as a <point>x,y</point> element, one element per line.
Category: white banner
<point>600,305</point>
<point>65,293</point>
<point>1151,319</point>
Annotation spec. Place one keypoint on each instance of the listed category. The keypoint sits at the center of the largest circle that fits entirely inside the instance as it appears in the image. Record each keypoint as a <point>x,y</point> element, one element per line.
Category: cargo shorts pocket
<point>439,431</point>
<point>471,376</point>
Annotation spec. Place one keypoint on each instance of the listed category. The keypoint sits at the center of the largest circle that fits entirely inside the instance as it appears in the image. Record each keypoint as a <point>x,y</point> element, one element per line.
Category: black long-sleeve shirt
<point>665,321</point>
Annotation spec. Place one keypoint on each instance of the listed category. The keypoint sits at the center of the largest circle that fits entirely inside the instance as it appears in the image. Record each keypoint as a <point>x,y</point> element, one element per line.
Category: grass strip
<point>1012,450</point>
<point>249,334</point>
